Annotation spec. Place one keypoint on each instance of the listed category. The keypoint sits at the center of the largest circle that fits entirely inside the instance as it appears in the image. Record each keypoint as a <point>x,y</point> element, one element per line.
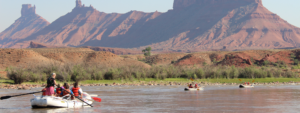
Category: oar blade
<point>97,99</point>
<point>5,97</point>
<point>240,80</point>
<point>192,79</point>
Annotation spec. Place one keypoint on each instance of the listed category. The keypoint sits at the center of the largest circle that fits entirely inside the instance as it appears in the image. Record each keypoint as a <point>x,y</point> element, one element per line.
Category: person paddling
<point>76,91</point>
<point>190,86</point>
<point>196,85</point>
<point>50,85</point>
<point>58,90</point>
<point>66,90</point>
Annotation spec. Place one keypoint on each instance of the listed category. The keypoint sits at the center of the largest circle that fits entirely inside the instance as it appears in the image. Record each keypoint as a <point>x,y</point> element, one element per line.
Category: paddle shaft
<point>7,97</point>
<point>78,98</point>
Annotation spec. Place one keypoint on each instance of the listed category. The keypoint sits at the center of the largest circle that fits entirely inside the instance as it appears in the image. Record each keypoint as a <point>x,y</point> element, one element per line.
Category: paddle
<point>191,80</point>
<point>7,97</point>
<point>97,99</point>
<point>78,98</point>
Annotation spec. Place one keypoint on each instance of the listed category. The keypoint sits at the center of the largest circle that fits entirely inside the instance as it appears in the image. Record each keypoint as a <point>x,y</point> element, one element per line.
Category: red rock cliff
<point>179,4</point>
<point>24,26</point>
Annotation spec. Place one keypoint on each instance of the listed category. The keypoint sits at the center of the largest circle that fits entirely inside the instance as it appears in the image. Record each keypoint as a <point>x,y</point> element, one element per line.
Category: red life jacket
<point>65,92</point>
<point>44,92</point>
<point>196,85</point>
<point>58,90</point>
<point>75,91</point>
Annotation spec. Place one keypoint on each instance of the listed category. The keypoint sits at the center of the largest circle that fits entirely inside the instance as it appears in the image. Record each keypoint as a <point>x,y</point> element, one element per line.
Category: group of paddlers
<point>247,83</point>
<point>191,86</point>
<point>61,91</point>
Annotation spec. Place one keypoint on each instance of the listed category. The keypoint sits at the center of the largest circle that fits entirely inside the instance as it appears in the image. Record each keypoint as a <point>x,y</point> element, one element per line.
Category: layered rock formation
<point>87,24</point>
<point>192,25</point>
<point>27,24</point>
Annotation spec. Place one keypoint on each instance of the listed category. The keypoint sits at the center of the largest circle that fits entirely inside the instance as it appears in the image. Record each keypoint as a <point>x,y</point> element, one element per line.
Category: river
<point>213,99</point>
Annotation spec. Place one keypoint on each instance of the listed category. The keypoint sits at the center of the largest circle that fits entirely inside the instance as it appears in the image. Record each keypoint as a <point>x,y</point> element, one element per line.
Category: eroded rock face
<point>26,25</point>
<point>193,25</point>
<point>179,4</point>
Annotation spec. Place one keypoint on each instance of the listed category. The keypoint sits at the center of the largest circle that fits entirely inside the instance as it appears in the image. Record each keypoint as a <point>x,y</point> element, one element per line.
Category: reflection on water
<point>227,99</point>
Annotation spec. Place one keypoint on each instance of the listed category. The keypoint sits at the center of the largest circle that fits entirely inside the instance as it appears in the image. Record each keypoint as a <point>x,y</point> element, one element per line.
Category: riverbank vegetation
<point>92,74</point>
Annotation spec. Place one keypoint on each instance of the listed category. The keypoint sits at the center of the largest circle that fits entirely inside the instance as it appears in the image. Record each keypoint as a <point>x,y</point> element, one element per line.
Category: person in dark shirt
<point>50,85</point>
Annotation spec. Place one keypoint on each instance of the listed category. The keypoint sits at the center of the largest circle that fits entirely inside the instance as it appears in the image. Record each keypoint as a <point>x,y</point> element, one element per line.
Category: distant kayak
<point>246,86</point>
<point>193,89</point>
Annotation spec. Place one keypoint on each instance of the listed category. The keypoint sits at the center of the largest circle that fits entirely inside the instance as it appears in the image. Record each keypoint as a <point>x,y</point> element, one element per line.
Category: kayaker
<point>196,85</point>
<point>248,83</point>
<point>50,85</point>
<point>190,86</point>
<point>58,90</point>
<point>76,91</point>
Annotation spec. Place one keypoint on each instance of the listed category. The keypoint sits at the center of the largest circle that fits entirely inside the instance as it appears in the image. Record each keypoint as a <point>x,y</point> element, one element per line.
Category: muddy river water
<point>213,99</point>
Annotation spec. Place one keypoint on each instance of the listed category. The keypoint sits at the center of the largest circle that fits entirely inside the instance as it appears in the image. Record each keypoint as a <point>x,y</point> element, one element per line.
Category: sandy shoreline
<point>31,86</point>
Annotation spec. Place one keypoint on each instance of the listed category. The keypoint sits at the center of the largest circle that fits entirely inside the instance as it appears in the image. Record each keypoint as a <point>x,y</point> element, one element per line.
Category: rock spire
<point>27,9</point>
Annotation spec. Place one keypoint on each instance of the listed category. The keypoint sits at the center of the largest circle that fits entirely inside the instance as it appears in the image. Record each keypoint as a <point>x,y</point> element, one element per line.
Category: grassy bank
<point>167,80</point>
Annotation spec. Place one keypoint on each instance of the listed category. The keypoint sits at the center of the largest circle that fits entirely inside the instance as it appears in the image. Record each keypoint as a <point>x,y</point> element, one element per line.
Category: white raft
<point>193,89</point>
<point>246,86</point>
<point>60,102</point>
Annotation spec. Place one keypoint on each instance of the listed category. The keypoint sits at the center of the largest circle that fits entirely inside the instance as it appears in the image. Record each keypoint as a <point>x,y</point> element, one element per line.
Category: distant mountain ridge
<point>27,24</point>
<point>192,25</point>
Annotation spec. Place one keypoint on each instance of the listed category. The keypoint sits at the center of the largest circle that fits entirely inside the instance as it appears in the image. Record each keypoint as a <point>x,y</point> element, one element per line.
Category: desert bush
<point>98,75</point>
<point>18,75</point>
<point>296,61</point>
<point>79,74</point>
<point>234,73</point>
<point>34,77</point>
<point>200,73</point>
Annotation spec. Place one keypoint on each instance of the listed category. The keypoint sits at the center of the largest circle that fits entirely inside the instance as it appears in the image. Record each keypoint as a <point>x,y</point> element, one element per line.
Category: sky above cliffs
<point>10,10</point>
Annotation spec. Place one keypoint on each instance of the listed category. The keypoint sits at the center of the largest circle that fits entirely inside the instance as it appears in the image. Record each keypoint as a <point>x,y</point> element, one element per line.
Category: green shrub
<point>79,74</point>
<point>18,75</point>
<point>296,61</point>
<point>200,73</point>
<point>34,77</point>
<point>98,76</point>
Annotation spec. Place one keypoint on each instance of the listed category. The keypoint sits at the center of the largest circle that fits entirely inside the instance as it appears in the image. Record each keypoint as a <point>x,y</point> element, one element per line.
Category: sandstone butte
<point>192,25</point>
<point>27,24</point>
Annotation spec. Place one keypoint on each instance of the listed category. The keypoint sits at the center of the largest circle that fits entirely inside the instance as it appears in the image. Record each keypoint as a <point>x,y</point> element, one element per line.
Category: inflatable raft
<point>60,102</point>
<point>193,89</point>
<point>246,86</point>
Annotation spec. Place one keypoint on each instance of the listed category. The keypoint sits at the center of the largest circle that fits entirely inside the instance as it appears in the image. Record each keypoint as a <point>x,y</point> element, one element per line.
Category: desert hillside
<point>61,56</point>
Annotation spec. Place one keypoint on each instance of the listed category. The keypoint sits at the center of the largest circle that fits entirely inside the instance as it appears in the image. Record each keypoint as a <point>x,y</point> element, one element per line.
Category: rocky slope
<point>27,24</point>
<point>61,56</point>
<point>192,25</point>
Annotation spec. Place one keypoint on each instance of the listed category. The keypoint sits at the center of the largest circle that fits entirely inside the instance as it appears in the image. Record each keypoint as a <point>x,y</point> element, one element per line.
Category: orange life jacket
<point>65,92</point>
<point>75,91</point>
<point>58,90</point>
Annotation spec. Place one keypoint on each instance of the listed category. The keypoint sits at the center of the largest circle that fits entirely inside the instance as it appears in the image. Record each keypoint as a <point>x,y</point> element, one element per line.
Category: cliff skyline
<point>191,26</point>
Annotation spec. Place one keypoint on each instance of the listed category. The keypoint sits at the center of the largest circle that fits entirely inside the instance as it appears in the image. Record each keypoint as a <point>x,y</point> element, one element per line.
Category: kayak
<point>246,86</point>
<point>60,102</point>
<point>193,89</point>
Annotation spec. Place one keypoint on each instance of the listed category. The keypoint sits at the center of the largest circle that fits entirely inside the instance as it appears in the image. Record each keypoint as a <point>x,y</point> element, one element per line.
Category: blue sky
<point>10,10</point>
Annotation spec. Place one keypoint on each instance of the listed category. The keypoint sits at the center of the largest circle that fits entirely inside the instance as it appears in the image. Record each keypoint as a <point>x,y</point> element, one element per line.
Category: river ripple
<point>213,99</point>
